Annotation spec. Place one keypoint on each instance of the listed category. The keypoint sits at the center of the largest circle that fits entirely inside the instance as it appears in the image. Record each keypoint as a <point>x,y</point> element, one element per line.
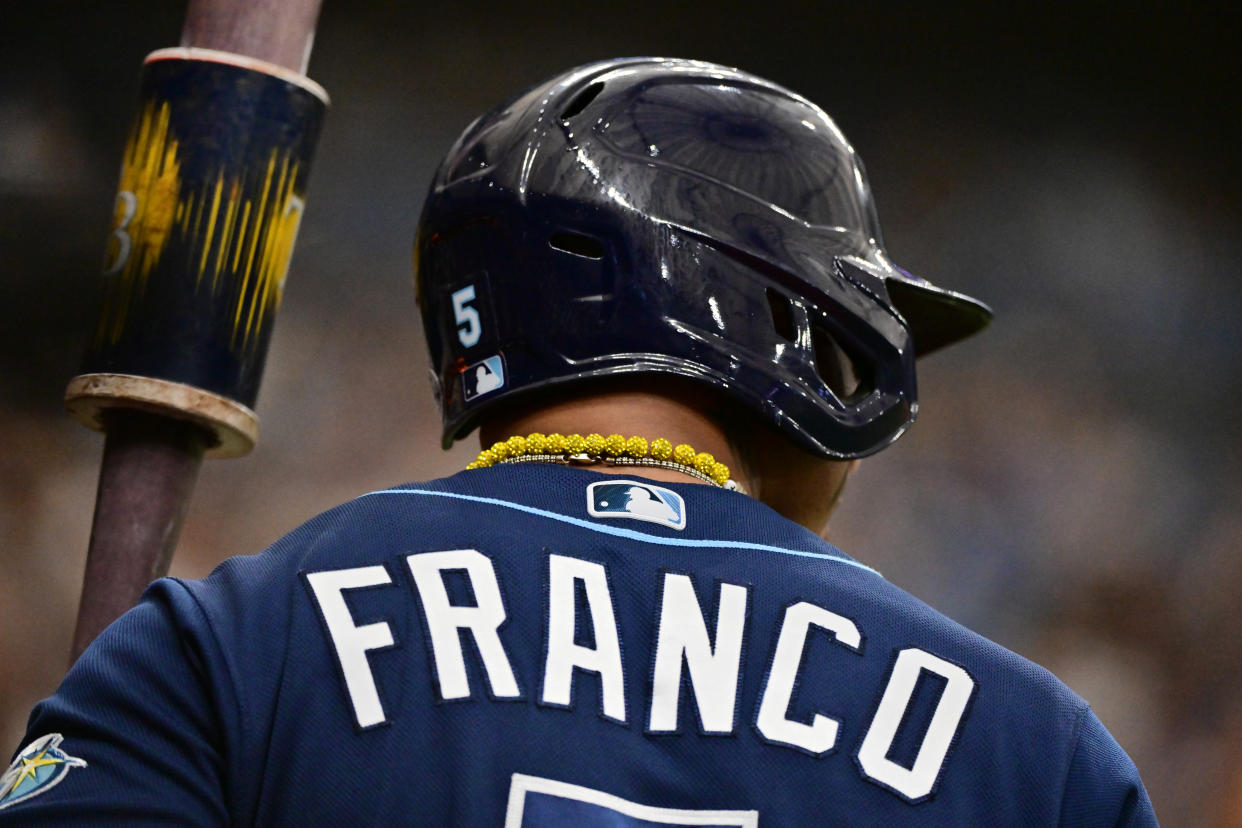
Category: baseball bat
<point>211,195</point>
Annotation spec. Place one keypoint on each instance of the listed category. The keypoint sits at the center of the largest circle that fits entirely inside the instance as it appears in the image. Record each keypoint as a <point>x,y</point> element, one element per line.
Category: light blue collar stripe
<point>626,533</point>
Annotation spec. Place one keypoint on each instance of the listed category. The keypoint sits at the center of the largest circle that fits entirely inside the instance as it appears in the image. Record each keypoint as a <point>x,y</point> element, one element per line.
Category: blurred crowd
<point>1071,487</point>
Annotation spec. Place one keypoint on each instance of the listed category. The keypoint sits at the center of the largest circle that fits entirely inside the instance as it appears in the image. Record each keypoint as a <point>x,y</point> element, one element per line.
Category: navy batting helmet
<point>673,217</point>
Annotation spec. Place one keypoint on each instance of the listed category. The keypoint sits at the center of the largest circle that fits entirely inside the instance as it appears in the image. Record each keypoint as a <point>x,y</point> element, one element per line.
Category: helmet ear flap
<point>847,372</point>
<point>844,369</point>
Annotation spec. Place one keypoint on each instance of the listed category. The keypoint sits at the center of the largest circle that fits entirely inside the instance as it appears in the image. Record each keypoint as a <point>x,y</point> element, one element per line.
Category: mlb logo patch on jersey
<point>483,377</point>
<point>639,501</point>
<point>547,803</point>
<point>37,769</point>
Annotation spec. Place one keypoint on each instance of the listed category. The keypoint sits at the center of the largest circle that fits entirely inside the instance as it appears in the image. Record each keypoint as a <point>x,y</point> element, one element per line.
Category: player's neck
<point>629,413</point>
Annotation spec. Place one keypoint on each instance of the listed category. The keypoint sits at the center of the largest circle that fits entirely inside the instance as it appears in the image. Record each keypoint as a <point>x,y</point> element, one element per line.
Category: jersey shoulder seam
<point>234,685</point>
<point>1075,744</point>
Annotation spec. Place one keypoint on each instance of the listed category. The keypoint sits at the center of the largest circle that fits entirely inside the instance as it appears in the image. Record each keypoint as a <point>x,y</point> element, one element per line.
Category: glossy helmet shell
<point>672,217</point>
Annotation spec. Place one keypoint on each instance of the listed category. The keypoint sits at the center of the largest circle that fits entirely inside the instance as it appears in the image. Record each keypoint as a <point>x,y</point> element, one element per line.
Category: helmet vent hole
<point>581,100</point>
<point>577,244</point>
<point>782,315</point>
<point>844,371</point>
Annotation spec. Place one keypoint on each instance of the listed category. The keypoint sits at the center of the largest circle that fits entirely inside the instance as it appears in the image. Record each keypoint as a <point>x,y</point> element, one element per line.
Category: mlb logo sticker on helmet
<point>37,769</point>
<point>483,377</point>
<point>640,501</point>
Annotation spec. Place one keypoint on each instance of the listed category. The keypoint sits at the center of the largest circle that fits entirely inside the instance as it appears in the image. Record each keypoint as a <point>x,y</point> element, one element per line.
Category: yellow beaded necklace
<point>614,450</point>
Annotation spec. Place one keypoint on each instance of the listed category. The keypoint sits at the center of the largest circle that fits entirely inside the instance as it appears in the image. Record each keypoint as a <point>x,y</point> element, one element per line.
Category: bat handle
<point>278,31</point>
<point>149,467</point>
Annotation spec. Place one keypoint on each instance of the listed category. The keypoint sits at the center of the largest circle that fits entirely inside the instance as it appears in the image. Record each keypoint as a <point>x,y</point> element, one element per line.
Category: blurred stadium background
<point>1072,486</point>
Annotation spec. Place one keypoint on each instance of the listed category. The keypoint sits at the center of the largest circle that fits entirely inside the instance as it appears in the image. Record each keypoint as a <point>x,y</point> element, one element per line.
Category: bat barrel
<point>211,197</point>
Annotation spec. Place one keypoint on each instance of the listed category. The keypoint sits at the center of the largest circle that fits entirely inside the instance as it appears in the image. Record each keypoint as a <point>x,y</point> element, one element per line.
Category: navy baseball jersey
<point>537,645</point>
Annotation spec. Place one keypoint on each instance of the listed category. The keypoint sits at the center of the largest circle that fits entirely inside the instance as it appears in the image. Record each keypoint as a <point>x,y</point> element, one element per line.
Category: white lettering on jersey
<point>350,641</point>
<point>820,735</point>
<point>919,780</point>
<point>561,803</point>
<point>445,621</point>
<point>563,654</point>
<point>713,670</point>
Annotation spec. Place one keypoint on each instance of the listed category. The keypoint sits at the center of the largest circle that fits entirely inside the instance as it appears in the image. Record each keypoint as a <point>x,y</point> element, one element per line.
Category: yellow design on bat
<point>141,223</point>
<point>236,229</point>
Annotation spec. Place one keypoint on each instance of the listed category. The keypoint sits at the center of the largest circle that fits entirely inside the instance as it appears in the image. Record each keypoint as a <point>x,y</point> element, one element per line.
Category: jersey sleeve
<point>141,741</point>
<point>1103,786</point>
